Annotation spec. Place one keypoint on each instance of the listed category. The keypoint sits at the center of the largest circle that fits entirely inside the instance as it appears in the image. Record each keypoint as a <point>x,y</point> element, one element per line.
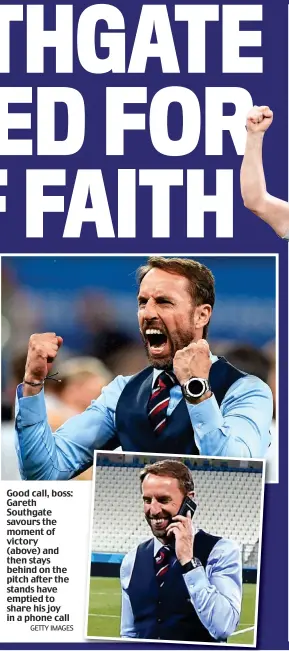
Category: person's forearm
<point>223,442</point>
<point>253,184</point>
<point>240,427</point>
<point>216,435</point>
<point>38,455</point>
<point>30,389</point>
<point>214,609</point>
<point>43,455</point>
<point>270,209</point>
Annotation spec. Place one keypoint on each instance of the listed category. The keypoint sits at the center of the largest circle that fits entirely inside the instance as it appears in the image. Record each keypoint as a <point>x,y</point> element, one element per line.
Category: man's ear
<point>202,315</point>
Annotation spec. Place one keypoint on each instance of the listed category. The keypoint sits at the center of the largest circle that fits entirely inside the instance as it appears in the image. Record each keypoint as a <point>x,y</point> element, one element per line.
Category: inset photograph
<point>175,548</point>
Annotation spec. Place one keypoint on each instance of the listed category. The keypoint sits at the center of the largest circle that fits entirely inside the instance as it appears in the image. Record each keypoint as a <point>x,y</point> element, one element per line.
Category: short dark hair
<point>201,279</point>
<point>170,468</point>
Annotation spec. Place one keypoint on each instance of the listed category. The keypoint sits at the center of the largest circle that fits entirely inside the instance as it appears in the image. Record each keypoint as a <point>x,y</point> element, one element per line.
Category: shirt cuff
<point>29,410</point>
<point>205,416</point>
<point>196,580</point>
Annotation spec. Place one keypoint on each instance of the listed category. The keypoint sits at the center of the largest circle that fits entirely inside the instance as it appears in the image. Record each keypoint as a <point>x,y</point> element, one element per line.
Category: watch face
<point>196,563</point>
<point>196,387</point>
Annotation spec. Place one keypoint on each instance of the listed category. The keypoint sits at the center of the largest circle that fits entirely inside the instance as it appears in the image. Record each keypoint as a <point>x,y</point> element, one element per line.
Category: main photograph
<point>192,373</point>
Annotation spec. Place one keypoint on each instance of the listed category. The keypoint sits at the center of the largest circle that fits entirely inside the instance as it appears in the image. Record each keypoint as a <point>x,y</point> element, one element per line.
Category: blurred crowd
<point>100,348</point>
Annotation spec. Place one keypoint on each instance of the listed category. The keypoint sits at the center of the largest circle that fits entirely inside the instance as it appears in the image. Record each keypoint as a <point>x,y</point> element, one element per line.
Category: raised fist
<point>193,361</point>
<point>259,119</point>
<point>42,351</point>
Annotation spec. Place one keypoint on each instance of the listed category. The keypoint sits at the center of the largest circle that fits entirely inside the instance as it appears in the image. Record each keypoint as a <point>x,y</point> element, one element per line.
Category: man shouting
<point>187,401</point>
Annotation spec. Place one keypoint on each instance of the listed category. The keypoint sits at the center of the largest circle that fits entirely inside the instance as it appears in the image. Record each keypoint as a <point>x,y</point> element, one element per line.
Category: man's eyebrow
<point>157,294</point>
<point>159,497</point>
<point>164,497</point>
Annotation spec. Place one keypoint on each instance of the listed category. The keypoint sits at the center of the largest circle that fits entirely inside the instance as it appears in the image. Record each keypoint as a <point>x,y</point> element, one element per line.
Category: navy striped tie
<point>159,400</point>
<point>162,563</point>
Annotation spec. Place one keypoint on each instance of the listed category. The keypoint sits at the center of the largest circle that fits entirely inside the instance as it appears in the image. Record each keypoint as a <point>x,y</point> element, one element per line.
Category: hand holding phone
<point>181,530</point>
<point>187,505</point>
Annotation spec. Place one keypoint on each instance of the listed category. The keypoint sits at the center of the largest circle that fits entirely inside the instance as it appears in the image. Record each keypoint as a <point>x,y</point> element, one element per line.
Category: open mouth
<point>156,339</point>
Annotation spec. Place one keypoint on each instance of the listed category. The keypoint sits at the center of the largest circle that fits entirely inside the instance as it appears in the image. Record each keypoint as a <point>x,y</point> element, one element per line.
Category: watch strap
<point>191,565</point>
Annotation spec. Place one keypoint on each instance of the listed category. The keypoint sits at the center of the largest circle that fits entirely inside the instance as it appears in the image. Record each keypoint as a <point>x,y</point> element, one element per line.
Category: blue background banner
<point>269,87</point>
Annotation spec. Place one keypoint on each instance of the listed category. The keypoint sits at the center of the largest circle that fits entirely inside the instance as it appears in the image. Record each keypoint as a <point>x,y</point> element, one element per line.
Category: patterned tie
<point>162,563</point>
<point>159,400</point>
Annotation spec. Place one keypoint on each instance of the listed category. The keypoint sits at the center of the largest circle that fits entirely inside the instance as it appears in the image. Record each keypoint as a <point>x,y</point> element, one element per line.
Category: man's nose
<point>155,507</point>
<point>150,312</point>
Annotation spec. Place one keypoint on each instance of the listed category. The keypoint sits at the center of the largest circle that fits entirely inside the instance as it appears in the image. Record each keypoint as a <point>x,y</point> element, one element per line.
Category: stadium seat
<point>229,505</point>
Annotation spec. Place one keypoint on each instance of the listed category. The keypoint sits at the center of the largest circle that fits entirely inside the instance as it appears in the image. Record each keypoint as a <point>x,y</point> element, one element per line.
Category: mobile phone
<point>187,505</point>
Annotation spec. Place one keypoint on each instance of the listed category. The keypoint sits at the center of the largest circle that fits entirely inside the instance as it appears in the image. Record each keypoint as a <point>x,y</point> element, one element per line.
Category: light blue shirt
<point>215,591</point>
<point>238,428</point>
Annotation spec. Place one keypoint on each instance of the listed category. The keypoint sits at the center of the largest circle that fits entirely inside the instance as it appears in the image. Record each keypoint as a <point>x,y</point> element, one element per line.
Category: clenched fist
<point>193,361</point>
<point>259,119</point>
<point>42,350</point>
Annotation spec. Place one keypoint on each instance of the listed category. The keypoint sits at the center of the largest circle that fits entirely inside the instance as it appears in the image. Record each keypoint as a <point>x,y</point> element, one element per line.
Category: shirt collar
<point>157,372</point>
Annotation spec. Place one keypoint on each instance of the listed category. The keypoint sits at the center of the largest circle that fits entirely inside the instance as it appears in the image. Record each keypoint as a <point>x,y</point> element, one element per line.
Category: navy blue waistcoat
<point>166,613</point>
<point>134,431</point>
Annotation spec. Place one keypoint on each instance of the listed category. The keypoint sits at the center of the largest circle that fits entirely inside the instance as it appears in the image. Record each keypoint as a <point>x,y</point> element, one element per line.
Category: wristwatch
<point>191,565</point>
<point>195,388</point>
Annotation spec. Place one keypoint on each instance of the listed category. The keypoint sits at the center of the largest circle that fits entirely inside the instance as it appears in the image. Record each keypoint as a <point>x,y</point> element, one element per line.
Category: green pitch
<point>104,610</point>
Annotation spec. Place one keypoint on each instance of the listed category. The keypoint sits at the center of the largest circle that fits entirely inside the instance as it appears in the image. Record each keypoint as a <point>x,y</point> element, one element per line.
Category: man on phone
<point>272,210</point>
<point>182,584</point>
<point>187,401</point>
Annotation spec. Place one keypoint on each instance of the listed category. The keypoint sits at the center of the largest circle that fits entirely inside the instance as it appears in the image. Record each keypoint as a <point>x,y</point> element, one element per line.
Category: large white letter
<point>14,95</point>
<point>8,13</point>
<point>117,121</point>
<point>197,16</point>
<point>3,181</point>
<point>221,203</point>
<point>216,122</point>
<point>191,121</point>
<point>37,203</point>
<point>126,203</point>
<point>38,38</point>
<point>161,182</point>
<point>156,18</point>
<point>234,38</point>
<point>89,182</point>
<point>46,100</point>
<point>115,42</point>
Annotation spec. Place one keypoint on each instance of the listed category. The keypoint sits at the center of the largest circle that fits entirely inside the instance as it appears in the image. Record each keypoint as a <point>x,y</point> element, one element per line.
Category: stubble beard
<point>176,343</point>
<point>161,535</point>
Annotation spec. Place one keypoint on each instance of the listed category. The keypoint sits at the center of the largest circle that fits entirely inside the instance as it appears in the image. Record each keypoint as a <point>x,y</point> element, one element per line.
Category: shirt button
<point>159,620</point>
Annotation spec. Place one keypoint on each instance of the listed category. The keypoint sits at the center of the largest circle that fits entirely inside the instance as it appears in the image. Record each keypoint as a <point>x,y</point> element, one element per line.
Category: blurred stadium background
<point>91,302</point>
<point>229,498</point>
